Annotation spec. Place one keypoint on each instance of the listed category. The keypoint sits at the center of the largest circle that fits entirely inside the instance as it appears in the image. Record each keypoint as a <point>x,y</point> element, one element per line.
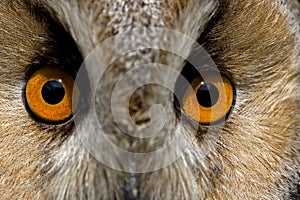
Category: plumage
<point>254,154</point>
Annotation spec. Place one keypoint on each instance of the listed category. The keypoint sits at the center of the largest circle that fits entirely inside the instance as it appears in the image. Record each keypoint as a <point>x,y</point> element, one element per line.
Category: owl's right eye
<point>49,93</point>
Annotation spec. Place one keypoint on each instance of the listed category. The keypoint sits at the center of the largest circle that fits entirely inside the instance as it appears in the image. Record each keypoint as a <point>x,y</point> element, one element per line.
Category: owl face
<point>106,99</point>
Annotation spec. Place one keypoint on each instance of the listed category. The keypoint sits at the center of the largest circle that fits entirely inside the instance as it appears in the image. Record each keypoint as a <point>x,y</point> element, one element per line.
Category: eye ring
<point>49,93</point>
<point>208,101</point>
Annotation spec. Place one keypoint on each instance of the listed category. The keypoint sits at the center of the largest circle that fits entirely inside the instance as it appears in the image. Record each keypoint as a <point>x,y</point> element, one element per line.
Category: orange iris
<point>49,94</point>
<point>210,100</point>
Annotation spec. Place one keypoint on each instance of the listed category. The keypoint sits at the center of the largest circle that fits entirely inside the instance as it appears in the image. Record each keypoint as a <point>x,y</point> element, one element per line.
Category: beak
<point>131,191</point>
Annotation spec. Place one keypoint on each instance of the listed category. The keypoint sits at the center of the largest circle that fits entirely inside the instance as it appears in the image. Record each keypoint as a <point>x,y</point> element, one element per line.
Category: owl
<point>149,99</point>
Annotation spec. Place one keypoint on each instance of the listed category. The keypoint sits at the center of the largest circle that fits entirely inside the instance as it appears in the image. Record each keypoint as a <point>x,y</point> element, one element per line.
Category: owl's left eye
<point>209,99</point>
<point>49,93</point>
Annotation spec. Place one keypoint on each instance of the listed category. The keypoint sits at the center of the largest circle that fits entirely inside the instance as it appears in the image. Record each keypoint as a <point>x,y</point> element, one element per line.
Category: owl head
<point>140,99</point>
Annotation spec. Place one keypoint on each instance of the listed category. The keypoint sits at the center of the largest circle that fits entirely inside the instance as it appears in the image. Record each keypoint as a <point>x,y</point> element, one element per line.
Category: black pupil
<point>53,92</point>
<point>207,95</point>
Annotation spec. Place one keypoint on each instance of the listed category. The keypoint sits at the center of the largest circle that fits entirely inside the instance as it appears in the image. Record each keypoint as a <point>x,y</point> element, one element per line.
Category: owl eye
<point>49,93</point>
<point>208,100</point>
